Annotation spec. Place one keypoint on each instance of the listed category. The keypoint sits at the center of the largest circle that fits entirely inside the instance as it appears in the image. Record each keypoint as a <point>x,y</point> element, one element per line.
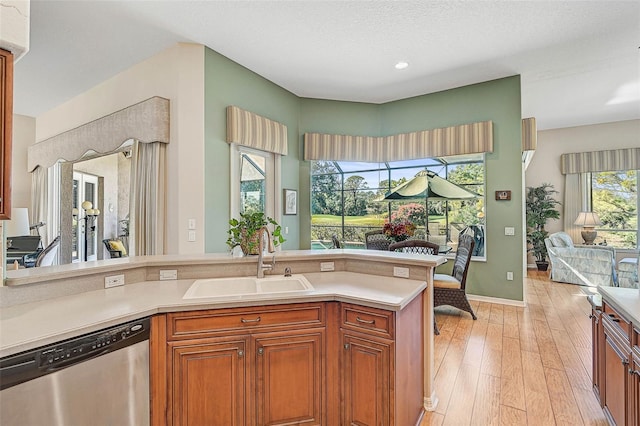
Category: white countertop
<point>30,325</point>
<point>625,300</point>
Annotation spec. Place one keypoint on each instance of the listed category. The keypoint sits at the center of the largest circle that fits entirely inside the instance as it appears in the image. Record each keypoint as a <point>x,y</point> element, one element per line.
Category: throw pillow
<point>117,245</point>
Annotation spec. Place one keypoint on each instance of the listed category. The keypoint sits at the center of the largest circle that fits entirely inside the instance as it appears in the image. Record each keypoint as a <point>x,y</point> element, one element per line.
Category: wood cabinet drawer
<point>199,324</point>
<point>617,321</point>
<point>371,320</point>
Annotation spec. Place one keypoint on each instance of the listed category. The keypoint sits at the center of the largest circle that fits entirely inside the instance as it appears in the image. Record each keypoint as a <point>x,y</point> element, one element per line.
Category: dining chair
<point>415,246</point>
<point>450,289</point>
<point>376,240</point>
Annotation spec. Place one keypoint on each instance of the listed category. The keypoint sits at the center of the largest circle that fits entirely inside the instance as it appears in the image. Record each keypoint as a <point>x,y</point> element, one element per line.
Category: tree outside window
<point>614,197</point>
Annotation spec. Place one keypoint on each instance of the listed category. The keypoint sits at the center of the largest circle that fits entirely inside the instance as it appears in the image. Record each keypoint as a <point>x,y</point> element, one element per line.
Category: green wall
<point>227,83</point>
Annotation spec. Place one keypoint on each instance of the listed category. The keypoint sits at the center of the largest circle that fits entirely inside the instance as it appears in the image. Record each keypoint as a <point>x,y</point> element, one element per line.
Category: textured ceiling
<point>579,61</point>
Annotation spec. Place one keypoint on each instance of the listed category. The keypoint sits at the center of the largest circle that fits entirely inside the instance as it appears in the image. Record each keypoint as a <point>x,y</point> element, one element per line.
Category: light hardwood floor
<point>517,366</point>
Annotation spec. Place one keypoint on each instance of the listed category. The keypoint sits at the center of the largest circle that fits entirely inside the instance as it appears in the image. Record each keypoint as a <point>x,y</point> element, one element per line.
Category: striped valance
<point>600,161</point>
<point>464,139</point>
<point>253,130</point>
<point>529,134</point>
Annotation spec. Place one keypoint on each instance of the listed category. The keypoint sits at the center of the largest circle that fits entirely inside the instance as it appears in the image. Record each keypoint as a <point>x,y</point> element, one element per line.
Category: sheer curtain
<point>39,195</point>
<point>576,199</point>
<point>147,203</point>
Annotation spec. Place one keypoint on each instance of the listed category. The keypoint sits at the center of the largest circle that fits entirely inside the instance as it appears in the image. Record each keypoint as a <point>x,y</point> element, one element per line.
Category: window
<point>614,197</point>
<point>347,200</point>
<point>254,176</point>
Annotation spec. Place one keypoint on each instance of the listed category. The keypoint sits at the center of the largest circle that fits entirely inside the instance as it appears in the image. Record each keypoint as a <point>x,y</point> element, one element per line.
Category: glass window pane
<point>252,183</point>
<point>614,198</point>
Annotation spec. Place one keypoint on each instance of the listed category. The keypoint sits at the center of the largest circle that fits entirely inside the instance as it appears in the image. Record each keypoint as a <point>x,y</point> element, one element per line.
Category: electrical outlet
<point>327,266</point>
<point>192,236</point>
<point>113,281</point>
<point>400,272</point>
<point>168,274</point>
<point>509,276</point>
<point>509,230</point>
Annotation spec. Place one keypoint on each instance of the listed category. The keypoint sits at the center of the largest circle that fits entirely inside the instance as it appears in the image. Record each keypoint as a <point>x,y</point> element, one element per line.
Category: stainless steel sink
<point>241,286</point>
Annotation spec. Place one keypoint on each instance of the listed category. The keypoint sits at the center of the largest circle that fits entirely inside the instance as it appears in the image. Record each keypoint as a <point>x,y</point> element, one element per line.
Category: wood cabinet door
<point>365,371</point>
<point>6,119</point>
<point>208,382</point>
<point>635,389</point>
<point>596,331</point>
<point>289,378</point>
<point>615,393</point>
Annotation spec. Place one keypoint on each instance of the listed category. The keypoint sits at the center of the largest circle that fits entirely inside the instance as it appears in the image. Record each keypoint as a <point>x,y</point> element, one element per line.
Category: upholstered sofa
<point>628,272</point>
<point>580,264</point>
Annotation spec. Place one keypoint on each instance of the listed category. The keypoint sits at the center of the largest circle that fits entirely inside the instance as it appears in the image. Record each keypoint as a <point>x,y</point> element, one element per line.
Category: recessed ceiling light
<point>401,65</point>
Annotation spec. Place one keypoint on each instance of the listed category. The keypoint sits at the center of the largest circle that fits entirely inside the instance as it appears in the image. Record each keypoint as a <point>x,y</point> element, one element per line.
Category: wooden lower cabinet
<point>289,378</point>
<point>596,339</point>
<point>614,364</point>
<point>634,371</point>
<point>366,375</point>
<point>325,363</point>
<point>208,382</point>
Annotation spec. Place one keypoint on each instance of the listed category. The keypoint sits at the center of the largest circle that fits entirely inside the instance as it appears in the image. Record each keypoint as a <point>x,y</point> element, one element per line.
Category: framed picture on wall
<point>290,201</point>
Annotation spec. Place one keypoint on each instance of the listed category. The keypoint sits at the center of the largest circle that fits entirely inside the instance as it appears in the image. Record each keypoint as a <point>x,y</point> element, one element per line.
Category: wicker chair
<point>336,242</point>
<point>450,289</point>
<point>376,240</point>
<point>415,246</point>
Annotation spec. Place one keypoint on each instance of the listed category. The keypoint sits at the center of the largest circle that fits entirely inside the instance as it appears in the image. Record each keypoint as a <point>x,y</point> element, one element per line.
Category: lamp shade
<point>587,220</point>
<point>18,226</point>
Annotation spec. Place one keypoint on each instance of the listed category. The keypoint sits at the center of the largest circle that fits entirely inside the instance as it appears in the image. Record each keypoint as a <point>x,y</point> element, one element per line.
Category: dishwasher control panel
<point>96,342</point>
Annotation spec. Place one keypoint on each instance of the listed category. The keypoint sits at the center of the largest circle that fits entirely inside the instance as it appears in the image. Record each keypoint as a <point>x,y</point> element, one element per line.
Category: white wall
<point>24,134</point>
<point>545,166</point>
<point>178,75</point>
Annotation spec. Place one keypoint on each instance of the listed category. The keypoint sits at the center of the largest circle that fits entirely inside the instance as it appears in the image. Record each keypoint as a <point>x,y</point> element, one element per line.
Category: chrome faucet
<point>261,265</point>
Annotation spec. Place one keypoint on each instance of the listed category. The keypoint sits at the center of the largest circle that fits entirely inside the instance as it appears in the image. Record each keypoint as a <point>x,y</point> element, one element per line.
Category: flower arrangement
<point>399,231</point>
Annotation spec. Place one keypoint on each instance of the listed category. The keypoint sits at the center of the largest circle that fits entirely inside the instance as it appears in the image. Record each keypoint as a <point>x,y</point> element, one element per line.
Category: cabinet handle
<point>636,372</point>
<point>260,351</point>
<point>360,320</point>
<point>613,318</point>
<point>591,316</point>
<point>240,353</point>
<point>346,346</point>
<point>625,362</point>
<point>244,321</point>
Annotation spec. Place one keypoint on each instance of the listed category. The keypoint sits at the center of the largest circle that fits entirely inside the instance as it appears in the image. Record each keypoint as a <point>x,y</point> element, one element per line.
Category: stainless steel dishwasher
<point>101,378</point>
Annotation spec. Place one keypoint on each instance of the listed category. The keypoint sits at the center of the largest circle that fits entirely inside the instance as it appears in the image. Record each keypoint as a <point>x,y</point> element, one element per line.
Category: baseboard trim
<point>498,300</point>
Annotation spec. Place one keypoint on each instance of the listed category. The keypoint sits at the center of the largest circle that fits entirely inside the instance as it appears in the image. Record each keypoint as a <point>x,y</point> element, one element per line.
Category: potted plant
<point>540,207</point>
<point>244,232</point>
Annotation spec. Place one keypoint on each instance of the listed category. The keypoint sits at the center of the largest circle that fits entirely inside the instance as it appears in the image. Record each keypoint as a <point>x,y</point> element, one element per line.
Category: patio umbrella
<point>426,185</point>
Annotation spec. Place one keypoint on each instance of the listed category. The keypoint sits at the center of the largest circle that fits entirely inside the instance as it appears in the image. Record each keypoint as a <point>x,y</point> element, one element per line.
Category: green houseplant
<point>244,232</point>
<point>540,207</point>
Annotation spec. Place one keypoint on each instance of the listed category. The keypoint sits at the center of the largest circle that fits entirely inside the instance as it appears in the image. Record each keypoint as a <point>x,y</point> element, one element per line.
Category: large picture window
<point>348,200</point>
<point>614,197</point>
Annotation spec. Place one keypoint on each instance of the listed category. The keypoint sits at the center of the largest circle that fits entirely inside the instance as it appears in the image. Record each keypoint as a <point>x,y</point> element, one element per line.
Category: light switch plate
<point>327,266</point>
<point>509,276</point>
<point>509,230</point>
<point>168,274</point>
<point>192,224</point>
<point>400,272</point>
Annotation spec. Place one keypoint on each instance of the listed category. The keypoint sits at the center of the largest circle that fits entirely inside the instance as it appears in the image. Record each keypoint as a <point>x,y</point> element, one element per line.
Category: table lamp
<point>588,221</point>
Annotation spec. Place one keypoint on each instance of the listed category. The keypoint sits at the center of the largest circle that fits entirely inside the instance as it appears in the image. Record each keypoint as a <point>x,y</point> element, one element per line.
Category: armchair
<point>628,272</point>
<point>580,264</point>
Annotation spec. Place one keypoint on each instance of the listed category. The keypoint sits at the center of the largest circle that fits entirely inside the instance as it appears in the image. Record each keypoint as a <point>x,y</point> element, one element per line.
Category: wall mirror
<point>89,182</point>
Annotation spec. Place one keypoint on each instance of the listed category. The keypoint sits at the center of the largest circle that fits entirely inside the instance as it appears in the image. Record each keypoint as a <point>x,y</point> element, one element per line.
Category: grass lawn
<point>369,220</point>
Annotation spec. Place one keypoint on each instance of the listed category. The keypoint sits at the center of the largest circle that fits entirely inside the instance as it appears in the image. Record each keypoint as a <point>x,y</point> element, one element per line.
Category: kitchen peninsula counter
<point>364,277</point>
